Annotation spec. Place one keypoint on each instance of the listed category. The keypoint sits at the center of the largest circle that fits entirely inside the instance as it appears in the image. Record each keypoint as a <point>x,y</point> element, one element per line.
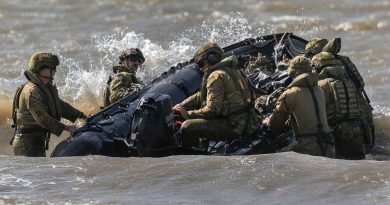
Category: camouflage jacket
<point>39,106</point>
<point>224,92</point>
<point>297,102</point>
<point>120,84</point>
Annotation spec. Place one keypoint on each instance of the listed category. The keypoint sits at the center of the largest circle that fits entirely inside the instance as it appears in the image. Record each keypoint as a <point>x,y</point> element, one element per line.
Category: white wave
<point>13,181</point>
<point>289,18</point>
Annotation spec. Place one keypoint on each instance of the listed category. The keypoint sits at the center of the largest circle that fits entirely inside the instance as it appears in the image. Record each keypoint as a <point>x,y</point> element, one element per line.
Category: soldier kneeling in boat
<point>222,109</point>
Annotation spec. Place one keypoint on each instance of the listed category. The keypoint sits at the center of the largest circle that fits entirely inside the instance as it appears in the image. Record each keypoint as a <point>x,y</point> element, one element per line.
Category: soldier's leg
<point>34,145</point>
<point>308,145</point>
<point>330,151</point>
<point>18,145</point>
<point>351,148</point>
<point>193,129</point>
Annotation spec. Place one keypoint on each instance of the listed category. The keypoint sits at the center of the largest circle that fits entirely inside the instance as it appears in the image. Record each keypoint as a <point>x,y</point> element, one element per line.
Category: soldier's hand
<point>176,107</point>
<point>83,116</point>
<point>70,128</point>
<point>182,111</point>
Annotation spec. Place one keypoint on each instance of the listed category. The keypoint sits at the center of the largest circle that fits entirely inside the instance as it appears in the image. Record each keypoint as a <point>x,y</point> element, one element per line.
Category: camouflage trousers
<point>216,129</point>
<point>29,145</point>
<point>310,145</point>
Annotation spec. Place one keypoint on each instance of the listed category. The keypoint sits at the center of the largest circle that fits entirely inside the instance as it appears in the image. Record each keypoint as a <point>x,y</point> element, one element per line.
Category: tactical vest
<point>106,94</point>
<point>237,101</point>
<point>347,103</point>
<point>22,117</point>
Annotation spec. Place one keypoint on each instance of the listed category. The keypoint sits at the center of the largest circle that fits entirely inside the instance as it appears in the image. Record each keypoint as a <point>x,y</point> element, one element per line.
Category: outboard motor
<point>152,129</point>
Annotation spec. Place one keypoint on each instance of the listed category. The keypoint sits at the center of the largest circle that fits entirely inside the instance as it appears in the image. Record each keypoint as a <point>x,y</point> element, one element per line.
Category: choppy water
<point>89,35</point>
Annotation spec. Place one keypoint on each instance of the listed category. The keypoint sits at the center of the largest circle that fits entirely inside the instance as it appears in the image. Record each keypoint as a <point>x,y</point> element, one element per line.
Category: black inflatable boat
<point>143,124</point>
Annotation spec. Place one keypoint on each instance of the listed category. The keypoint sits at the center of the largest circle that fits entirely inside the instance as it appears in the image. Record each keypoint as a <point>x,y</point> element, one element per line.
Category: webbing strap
<point>347,98</point>
<point>319,124</point>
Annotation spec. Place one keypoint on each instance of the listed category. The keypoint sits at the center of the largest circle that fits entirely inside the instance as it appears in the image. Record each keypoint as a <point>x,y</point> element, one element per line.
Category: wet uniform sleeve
<point>69,112</point>
<point>192,102</point>
<point>214,98</point>
<point>137,80</point>
<point>37,108</point>
<point>281,113</point>
<point>120,86</point>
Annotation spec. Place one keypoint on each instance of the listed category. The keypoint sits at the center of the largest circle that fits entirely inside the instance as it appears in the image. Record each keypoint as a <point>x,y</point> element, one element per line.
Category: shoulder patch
<point>35,94</point>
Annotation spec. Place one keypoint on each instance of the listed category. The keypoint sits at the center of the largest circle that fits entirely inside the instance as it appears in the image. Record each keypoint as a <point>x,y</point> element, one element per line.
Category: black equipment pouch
<point>47,141</point>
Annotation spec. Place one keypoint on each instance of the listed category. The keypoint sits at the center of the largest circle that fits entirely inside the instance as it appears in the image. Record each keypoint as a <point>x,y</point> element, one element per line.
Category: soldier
<point>37,108</point>
<point>124,80</point>
<point>314,46</point>
<point>347,111</point>
<point>304,103</point>
<point>222,109</point>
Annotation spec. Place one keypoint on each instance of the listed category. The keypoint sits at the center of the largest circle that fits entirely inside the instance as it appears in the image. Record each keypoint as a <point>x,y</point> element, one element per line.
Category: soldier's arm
<point>69,112</point>
<point>35,105</point>
<point>281,113</point>
<point>121,86</point>
<point>192,102</point>
<point>214,99</point>
<point>137,80</point>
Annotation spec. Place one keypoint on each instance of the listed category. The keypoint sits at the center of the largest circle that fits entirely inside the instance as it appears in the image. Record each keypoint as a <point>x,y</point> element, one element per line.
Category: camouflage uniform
<point>120,84</point>
<point>222,109</point>
<point>38,110</point>
<point>124,80</point>
<point>348,113</point>
<point>304,103</point>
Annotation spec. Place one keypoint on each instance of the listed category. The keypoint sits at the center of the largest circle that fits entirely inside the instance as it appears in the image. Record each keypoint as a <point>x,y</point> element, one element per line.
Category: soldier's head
<point>132,58</point>
<point>299,65</point>
<point>43,65</point>
<point>314,46</point>
<point>208,55</point>
<point>322,60</point>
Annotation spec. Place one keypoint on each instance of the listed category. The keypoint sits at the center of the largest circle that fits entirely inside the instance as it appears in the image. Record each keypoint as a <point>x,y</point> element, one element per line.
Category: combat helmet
<point>209,53</point>
<point>41,59</point>
<point>314,46</point>
<point>322,60</point>
<point>333,46</point>
<point>132,53</point>
<point>299,65</point>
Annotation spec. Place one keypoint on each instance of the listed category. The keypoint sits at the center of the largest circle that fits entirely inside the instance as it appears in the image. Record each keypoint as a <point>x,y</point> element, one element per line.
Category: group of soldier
<point>326,110</point>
